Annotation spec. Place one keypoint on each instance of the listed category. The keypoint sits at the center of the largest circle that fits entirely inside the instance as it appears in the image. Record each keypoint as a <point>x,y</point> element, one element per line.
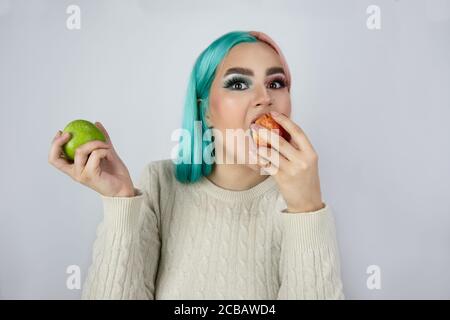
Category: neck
<point>235,177</point>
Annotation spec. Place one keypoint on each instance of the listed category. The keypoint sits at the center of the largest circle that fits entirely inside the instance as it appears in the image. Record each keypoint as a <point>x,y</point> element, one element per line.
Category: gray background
<point>374,103</point>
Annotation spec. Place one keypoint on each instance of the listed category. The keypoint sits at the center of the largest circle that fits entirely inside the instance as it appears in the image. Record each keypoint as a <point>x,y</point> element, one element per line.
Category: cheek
<point>228,112</point>
<point>284,104</point>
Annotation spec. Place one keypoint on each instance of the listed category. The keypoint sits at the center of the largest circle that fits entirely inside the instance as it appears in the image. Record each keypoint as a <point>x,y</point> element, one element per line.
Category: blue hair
<point>193,150</point>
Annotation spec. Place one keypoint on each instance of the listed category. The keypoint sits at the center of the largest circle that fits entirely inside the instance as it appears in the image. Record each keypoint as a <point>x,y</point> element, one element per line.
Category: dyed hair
<point>194,149</point>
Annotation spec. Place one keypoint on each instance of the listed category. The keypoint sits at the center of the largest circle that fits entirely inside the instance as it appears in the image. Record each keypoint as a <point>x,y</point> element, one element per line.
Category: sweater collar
<point>236,196</point>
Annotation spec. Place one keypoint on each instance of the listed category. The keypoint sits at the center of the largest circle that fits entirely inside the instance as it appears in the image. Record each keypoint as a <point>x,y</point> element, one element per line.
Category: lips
<point>265,120</point>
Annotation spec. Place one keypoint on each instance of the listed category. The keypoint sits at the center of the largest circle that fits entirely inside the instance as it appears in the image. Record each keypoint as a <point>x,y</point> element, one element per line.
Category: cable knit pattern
<point>200,241</point>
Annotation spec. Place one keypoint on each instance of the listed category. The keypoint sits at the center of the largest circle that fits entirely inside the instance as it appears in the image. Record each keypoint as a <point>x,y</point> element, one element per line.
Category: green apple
<point>81,131</point>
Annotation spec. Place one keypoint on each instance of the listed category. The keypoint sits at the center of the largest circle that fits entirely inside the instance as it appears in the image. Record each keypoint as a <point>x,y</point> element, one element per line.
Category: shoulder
<point>164,169</point>
<point>157,181</point>
<point>159,175</point>
<point>160,172</point>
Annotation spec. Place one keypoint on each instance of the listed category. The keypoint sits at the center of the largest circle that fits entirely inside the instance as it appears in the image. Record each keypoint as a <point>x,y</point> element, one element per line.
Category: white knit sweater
<point>200,241</point>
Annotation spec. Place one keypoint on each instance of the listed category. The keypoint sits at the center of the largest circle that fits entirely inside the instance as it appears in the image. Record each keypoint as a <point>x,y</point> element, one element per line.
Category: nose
<point>262,96</point>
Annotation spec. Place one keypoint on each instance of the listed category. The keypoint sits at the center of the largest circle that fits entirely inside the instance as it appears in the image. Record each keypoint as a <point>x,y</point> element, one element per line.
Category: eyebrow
<point>249,72</point>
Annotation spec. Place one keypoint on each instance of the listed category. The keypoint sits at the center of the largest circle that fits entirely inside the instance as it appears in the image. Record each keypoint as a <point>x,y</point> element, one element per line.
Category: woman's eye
<point>278,84</point>
<point>273,87</point>
<point>240,84</point>
<point>236,84</point>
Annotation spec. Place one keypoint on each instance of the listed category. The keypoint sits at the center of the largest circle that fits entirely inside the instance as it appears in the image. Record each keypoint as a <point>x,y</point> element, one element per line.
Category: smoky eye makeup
<point>239,83</point>
<point>231,82</point>
<point>279,80</point>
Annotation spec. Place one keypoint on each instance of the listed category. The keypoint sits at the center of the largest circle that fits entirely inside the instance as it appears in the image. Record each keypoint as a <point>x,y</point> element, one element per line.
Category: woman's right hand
<point>96,165</point>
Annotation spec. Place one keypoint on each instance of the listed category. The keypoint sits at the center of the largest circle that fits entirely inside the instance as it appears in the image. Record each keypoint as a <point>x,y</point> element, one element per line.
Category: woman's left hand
<point>294,165</point>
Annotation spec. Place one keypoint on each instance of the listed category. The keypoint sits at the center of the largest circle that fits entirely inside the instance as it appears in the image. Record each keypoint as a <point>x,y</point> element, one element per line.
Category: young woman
<point>200,229</point>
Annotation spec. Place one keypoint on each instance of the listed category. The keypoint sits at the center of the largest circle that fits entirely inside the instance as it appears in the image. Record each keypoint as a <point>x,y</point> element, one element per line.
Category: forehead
<point>257,56</point>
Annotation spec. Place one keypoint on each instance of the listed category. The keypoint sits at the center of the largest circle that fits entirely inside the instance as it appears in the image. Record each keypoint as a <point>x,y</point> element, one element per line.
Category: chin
<point>253,167</point>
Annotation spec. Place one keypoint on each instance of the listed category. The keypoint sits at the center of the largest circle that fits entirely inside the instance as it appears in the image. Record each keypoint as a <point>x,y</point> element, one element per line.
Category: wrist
<point>126,193</point>
<point>305,208</point>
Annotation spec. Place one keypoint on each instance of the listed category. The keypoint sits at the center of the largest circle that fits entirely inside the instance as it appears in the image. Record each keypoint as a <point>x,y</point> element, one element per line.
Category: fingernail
<point>274,113</point>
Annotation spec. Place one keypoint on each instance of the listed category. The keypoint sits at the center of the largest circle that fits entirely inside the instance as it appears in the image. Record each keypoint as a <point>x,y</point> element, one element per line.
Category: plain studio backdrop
<point>374,102</point>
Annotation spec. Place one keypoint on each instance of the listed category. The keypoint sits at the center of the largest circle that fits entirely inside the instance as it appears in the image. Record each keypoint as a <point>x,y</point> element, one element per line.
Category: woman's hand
<point>96,165</point>
<point>294,165</point>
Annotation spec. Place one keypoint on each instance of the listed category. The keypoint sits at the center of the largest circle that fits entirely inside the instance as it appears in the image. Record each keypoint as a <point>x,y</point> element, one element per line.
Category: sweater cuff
<point>309,231</point>
<point>121,214</point>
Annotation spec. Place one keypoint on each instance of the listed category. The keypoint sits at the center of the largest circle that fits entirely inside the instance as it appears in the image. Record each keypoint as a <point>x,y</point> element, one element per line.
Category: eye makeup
<point>280,79</point>
<point>231,82</point>
<point>236,79</point>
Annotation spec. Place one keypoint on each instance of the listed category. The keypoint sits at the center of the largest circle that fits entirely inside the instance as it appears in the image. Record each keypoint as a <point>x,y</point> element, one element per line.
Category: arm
<point>126,250</point>
<point>309,266</point>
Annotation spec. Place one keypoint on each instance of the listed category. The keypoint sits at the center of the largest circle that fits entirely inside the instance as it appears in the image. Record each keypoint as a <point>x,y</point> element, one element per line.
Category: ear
<point>208,119</point>
<point>207,115</point>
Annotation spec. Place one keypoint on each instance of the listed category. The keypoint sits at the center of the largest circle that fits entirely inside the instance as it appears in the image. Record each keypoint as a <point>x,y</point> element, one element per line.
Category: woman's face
<point>248,83</point>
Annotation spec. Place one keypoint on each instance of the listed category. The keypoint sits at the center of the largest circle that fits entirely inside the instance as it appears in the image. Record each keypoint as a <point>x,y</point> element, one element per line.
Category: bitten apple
<point>268,122</point>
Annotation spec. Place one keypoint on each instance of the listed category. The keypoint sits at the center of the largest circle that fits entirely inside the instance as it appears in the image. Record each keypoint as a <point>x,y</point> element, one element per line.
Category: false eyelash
<point>235,79</point>
<point>280,80</point>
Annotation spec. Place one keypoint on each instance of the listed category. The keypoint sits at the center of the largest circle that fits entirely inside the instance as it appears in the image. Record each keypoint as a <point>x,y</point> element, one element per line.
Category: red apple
<point>268,122</point>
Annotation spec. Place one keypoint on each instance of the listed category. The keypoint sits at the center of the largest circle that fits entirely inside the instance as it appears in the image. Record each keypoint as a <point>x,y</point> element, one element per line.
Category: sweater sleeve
<point>126,251</point>
<point>310,265</point>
